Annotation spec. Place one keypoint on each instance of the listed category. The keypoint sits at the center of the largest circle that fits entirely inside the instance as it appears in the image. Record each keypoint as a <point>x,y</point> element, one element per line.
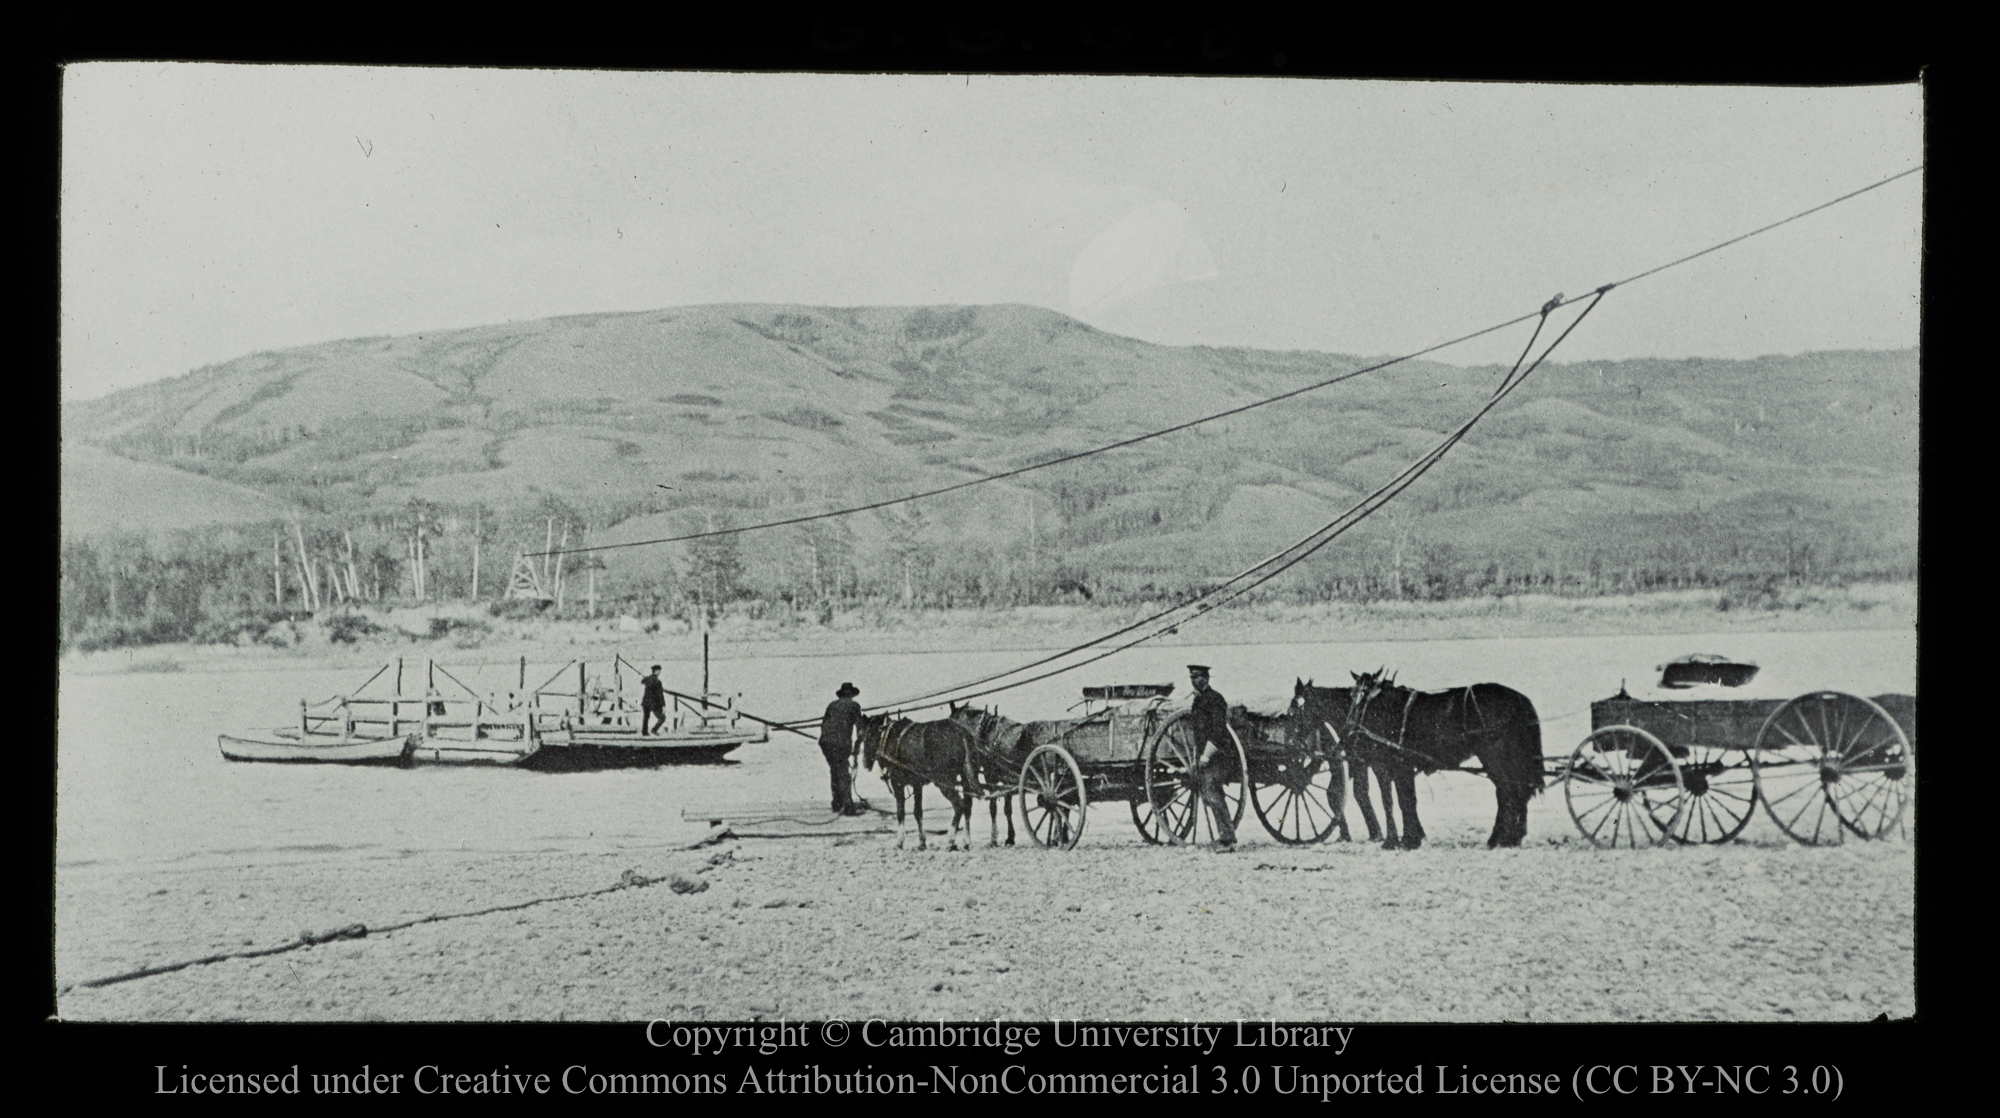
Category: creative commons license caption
<point>1275,1060</point>
<point>947,1079</point>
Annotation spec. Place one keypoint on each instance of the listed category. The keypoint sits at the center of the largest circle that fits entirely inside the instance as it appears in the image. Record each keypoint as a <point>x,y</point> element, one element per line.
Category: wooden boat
<point>292,747</point>
<point>596,726</point>
<point>342,730</point>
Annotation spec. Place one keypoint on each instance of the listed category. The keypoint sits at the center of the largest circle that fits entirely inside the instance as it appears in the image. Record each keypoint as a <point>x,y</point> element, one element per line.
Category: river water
<point>140,781</point>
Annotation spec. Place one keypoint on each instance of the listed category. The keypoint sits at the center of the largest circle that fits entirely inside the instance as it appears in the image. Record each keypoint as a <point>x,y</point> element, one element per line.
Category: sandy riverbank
<point>814,928</point>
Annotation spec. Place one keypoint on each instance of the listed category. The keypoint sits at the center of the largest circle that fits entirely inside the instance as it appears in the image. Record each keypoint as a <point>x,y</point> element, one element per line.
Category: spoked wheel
<point>1624,788</point>
<point>1053,802</point>
<point>1144,819</point>
<point>1293,794</point>
<point>1173,783</point>
<point>1830,764</point>
<point>1721,794</point>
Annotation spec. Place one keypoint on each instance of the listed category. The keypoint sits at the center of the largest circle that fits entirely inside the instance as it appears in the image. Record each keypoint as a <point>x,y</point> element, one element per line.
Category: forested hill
<point>639,425</point>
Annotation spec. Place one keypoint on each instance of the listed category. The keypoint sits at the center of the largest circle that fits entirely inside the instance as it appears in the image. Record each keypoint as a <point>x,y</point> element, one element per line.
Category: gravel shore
<point>853,926</point>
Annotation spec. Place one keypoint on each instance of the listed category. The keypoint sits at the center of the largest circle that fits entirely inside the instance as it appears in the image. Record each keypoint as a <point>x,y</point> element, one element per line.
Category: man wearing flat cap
<point>1210,722</point>
<point>836,743</point>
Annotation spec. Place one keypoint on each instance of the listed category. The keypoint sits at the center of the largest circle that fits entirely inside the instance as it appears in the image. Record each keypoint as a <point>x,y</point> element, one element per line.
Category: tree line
<point>231,584</point>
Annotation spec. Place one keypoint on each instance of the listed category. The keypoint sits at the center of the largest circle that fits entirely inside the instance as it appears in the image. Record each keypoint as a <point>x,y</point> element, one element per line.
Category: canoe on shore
<point>292,747</point>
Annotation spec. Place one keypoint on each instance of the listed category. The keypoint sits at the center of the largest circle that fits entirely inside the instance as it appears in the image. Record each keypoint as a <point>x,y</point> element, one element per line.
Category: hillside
<point>103,493</point>
<point>640,425</point>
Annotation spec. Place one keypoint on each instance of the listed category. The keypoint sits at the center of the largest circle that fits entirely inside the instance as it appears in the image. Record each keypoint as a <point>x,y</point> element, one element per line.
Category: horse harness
<point>1358,724</point>
<point>888,736</point>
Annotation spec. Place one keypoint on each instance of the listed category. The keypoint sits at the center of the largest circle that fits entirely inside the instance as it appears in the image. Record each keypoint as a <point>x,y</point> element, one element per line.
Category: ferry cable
<point>1558,301</point>
<point>1304,548</point>
<point>1372,500</point>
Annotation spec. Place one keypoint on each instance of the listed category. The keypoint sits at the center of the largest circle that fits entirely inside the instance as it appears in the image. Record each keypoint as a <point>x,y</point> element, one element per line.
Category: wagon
<point>1826,765</point>
<point>1130,746</point>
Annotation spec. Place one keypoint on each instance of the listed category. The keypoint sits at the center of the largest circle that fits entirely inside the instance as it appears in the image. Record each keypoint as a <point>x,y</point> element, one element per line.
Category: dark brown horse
<point>996,759</point>
<point>1402,732</point>
<point>1323,711</point>
<point>913,754</point>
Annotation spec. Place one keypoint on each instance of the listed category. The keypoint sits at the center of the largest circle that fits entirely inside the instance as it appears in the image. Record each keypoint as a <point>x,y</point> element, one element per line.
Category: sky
<point>210,211</point>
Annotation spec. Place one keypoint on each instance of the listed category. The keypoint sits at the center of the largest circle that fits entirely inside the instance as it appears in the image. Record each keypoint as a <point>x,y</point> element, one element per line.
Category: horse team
<point>1375,726</point>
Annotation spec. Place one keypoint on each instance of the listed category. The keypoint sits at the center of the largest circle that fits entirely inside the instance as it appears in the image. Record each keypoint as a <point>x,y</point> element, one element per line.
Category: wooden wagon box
<point>1724,723</point>
<point>1112,736</point>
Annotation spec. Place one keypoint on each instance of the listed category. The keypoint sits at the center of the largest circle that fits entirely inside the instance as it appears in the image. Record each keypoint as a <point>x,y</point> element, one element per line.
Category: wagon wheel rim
<point>1052,798</point>
<point>1172,789</point>
<point>1830,764</point>
<point>1141,805</point>
<point>1169,791</point>
<point>1145,821</point>
<point>1721,794</point>
<point>1296,806</point>
<point>1624,789</point>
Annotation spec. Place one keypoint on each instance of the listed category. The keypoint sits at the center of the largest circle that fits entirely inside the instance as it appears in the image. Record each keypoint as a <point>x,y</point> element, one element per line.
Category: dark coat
<point>655,697</point>
<point>837,725</point>
<point>1211,717</point>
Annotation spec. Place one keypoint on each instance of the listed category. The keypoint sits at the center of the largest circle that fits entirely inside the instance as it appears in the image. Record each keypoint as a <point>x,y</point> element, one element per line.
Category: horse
<point>1317,707</point>
<point>997,752</point>
<point>1403,732</point>
<point>1408,731</point>
<point>913,754</point>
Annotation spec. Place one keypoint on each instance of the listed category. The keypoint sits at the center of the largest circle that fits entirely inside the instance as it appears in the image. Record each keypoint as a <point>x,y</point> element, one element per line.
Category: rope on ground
<point>630,879</point>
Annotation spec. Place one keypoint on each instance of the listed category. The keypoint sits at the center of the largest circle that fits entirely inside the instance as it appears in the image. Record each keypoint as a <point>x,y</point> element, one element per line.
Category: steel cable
<point>1311,543</point>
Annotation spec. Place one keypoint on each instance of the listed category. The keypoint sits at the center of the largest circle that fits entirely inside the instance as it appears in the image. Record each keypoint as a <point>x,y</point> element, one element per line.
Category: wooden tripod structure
<point>525,582</point>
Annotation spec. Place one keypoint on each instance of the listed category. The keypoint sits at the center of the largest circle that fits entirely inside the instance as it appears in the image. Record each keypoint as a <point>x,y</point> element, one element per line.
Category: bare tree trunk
<point>353,583</point>
<point>559,566</point>
<point>306,577</point>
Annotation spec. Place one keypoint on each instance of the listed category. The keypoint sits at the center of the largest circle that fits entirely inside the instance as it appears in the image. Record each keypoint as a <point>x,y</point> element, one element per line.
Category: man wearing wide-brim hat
<point>1209,719</point>
<point>837,729</point>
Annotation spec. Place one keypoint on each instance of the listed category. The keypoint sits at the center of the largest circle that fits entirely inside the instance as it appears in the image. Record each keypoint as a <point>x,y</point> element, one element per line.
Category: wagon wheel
<point>1147,823</point>
<point>1171,782</point>
<point>1624,788</point>
<point>1721,794</point>
<point>1829,764</point>
<point>1143,819</point>
<point>1053,801</point>
<point>1296,805</point>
